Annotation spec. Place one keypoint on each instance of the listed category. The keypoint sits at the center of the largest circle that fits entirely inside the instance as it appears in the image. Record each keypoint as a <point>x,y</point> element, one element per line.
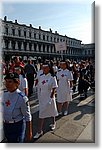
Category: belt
<point>13,121</point>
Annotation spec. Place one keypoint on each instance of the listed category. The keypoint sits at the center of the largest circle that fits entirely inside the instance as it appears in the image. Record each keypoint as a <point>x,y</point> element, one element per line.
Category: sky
<point>71,18</point>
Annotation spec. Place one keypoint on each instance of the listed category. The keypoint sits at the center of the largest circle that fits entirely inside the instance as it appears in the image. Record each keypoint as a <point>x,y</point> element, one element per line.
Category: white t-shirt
<point>23,83</point>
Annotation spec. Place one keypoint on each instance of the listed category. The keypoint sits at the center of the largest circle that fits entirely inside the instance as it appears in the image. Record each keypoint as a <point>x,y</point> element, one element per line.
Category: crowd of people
<point>53,79</point>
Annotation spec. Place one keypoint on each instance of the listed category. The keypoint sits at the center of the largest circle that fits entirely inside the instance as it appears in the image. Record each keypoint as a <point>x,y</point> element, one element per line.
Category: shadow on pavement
<point>73,108</point>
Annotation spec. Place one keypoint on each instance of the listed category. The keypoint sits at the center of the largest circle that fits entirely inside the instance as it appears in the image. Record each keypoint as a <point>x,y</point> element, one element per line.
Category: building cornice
<point>38,29</point>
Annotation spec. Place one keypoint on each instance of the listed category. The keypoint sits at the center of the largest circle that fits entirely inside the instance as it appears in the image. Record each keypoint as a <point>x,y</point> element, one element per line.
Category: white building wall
<point>50,38</point>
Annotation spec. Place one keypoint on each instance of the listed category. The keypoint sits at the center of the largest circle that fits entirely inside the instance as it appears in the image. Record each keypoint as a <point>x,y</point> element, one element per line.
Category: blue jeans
<point>14,132</point>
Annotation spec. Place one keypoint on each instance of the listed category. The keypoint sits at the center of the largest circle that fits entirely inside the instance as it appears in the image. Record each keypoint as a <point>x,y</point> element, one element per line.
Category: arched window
<point>34,35</point>
<point>30,46</point>
<point>19,32</point>
<point>43,48</point>
<point>35,47</point>
<point>48,48</point>
<point>6,44</point>
<point>25,46</point>
<point>43,37</point>
<point>24,33</point>
<point>6,30</point>
<point>13,45</point>
<point>19,45</point>
<point>13,32</point>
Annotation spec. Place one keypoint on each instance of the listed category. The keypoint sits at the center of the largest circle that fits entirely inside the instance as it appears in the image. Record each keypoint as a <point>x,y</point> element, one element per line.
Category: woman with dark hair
<point>47,105</point>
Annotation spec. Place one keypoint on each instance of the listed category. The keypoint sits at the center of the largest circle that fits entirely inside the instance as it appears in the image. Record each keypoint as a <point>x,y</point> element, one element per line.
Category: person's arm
<point>25,90</point>
<point>54,86</point>
<point>57,78</point>
<point>71,84</point>
<point>52,93</point>
<point>25,86</point>
<point>28,134</point>
<point>70,78</point>
<point>25,109</point>
<point>36,82</point>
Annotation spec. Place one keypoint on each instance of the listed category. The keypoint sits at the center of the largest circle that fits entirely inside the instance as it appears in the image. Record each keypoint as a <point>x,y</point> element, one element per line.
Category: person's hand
<point>28,131</point>
<point>52,93</point>
<point>52,96</point>
<point>28,137</point>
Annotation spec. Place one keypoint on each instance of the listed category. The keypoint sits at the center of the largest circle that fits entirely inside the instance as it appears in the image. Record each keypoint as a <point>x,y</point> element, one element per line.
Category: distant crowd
<point>83,71</point>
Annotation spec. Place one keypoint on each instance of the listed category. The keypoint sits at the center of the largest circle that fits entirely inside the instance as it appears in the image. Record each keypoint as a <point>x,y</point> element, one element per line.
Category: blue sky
<point>72,19</point>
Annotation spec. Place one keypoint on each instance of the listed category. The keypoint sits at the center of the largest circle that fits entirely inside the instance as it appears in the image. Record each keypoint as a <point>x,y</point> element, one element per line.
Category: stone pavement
<point>76,127</point>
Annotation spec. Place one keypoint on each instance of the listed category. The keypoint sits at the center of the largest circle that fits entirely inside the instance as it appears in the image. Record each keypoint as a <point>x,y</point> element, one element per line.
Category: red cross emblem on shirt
<point>62,75</point>
<point>7,103</point>
<point>43,82</point>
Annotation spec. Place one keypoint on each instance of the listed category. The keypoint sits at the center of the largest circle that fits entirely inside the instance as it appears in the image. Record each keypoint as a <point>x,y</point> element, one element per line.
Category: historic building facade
<point>23,40</point>
<point>88,51</point>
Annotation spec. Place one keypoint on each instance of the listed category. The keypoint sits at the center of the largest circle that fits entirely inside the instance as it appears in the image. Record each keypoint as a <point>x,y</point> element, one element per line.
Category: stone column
<point>72,51</point>
<point>32,48</point>
<point>3,46</point>
<point>31,34</point>
<point>27,32</point>
<point>41,48</point>
<point>45,48</point>
<point>16,45</point>
<point>22,33</point>
<point>49,49</point>
<point>37,48</point>
<point>16,31</point>
<point>10,45</point>
<point>27,46</point>
<point>22,46</point>
<point>37,35</point>
<point>9,31</point>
